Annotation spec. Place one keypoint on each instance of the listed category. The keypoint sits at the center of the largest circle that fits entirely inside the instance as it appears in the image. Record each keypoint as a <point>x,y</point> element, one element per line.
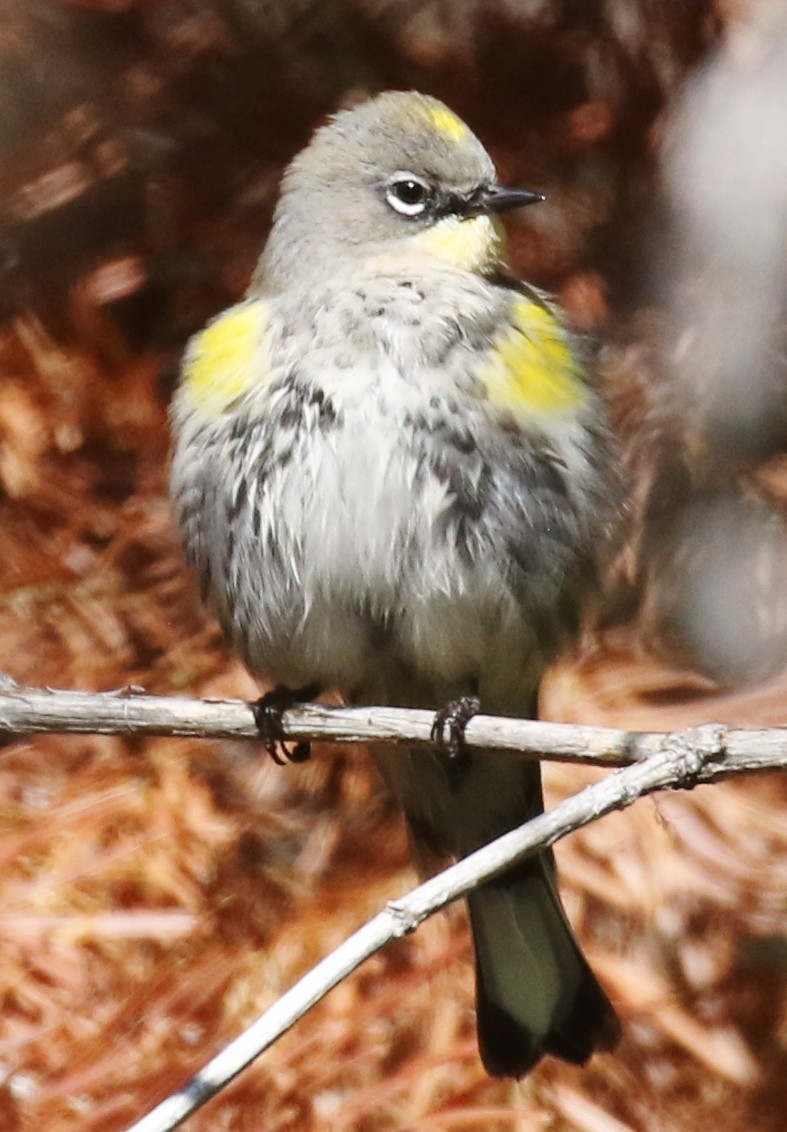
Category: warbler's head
<point>398,174</point>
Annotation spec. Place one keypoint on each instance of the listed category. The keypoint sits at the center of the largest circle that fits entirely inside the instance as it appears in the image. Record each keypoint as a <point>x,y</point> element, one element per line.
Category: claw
<point>450,722</point>
<point>268,711</point>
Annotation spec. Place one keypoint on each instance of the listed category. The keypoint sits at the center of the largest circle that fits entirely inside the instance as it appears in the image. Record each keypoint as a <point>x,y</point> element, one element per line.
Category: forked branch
<point>646,762</point>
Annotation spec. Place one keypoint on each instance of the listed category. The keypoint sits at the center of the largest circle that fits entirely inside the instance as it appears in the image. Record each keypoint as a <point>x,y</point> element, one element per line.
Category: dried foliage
<point>157,895</point>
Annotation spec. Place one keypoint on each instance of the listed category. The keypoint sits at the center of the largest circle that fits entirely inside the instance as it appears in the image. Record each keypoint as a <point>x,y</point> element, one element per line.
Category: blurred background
<point>158,894</point>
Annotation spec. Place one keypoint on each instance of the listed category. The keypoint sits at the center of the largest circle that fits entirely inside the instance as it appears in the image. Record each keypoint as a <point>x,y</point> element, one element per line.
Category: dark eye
<point>408,195</point>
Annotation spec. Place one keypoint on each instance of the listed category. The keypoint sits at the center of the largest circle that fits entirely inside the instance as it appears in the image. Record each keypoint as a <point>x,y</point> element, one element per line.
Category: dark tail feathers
<point>536,993</point>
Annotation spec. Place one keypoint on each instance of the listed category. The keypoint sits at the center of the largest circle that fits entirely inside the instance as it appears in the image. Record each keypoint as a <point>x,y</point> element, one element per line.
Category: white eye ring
<point>408,194</point>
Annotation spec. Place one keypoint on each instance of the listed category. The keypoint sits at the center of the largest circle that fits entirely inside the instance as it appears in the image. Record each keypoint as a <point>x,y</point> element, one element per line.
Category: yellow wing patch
<point>531,368</point>
<point>474,245</point>
<point>226,358</point>
<point>448,123</point>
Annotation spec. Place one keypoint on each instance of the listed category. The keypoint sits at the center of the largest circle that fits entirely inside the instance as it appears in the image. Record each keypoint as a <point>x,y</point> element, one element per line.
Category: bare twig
<point>693,757</point>
<point>646,762</point>
<point>128,711</point>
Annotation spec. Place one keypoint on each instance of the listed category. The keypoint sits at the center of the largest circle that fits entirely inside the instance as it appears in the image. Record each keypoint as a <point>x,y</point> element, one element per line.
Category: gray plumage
<point>365,512</point>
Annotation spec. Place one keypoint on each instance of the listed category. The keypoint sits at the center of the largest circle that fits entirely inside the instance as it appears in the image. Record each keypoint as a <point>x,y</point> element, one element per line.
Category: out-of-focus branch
<point>684,760</point>
<point>129,711</point>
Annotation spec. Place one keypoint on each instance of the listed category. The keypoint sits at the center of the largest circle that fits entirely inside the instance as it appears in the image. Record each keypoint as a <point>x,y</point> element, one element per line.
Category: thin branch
<point>646,762</point>
<point>695,756</point>
<point>128,711</point>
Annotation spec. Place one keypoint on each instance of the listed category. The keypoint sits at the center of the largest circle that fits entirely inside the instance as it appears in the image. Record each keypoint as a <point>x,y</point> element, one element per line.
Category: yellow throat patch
<point>474,245</point>
<point>226,358</point>
<point>531,368</point>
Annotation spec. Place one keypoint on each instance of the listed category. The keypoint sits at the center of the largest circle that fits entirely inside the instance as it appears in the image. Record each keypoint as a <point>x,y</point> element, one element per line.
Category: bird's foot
<point>268,711</point>
<point>450,722</point>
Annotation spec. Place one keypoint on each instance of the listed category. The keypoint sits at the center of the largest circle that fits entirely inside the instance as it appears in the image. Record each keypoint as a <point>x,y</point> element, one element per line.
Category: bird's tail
<point>536,993</point>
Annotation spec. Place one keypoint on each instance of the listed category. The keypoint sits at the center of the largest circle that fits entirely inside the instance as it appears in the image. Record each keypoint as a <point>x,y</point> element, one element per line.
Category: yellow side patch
<point>448,123</point>
<point>475,245</point>
<point>225,359</point>
<point>531,368</point>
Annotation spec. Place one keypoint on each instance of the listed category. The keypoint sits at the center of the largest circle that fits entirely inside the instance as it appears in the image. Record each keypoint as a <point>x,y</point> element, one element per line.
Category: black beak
<point>497,198</point>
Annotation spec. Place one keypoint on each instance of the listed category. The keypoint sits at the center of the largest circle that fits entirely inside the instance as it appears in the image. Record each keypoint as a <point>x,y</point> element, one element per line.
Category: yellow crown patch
<point>531,368</point>
<point>448,123</point>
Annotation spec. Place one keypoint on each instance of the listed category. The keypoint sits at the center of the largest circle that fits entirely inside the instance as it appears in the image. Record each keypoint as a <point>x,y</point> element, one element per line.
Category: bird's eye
<point>408,195</point>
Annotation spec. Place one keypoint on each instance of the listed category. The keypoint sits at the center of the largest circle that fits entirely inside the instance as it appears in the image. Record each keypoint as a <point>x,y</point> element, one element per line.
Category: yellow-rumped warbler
<point>393,479</point>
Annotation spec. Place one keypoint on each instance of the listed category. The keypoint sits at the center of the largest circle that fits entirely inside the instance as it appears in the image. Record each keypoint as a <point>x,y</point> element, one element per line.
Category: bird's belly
<point>373,586</point>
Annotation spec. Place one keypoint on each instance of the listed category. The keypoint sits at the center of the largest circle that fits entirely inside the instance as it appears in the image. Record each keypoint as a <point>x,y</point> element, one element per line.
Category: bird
<point>394,477</point>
